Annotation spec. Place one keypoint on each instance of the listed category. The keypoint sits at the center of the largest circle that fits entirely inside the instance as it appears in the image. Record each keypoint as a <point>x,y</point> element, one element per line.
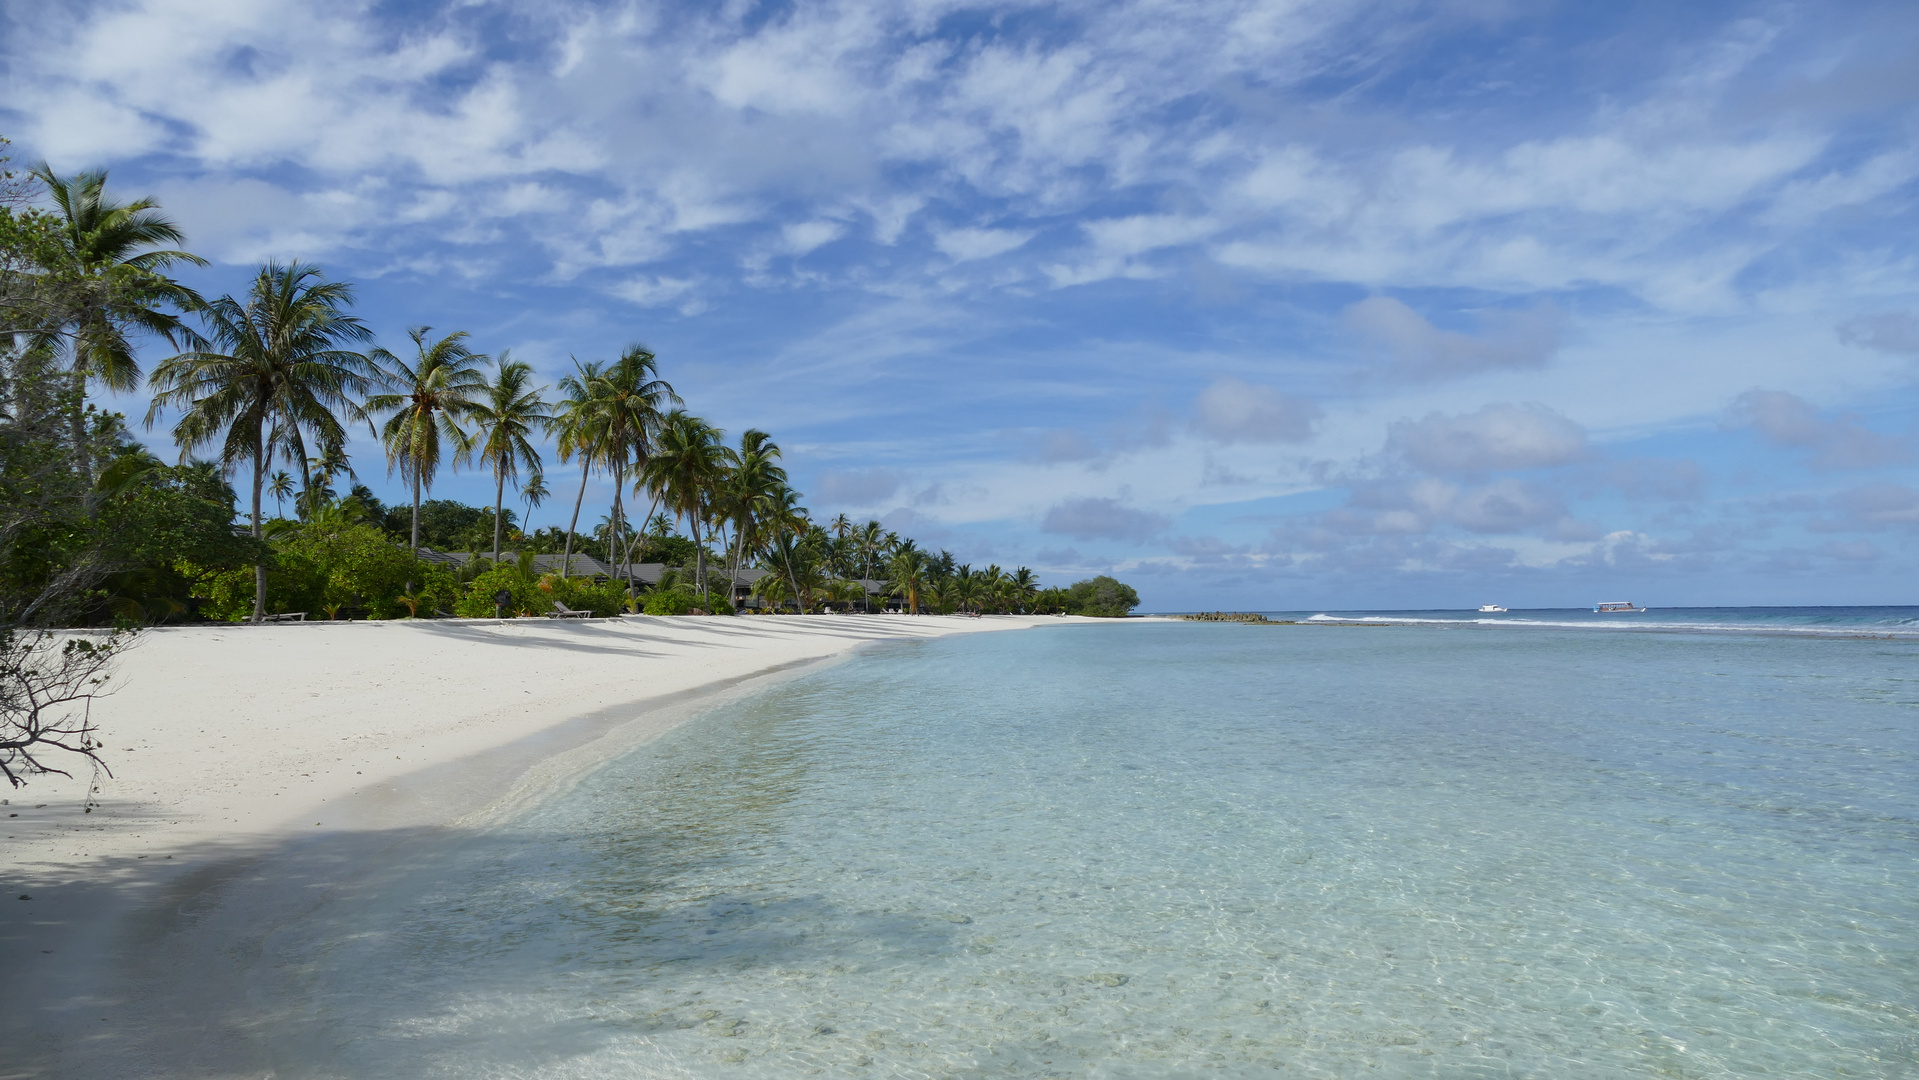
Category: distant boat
<point>1490,608</point>
<point>1617,607</point>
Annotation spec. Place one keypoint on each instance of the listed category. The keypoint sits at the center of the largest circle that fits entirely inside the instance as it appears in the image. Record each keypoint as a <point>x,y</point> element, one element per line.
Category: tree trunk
<point>616,536</point>
<point>259,569</point>
<point>566,560</point>
<point>499,496</point>
<point>82,453</point>
<point>699,551</point>
<point>416,513</point>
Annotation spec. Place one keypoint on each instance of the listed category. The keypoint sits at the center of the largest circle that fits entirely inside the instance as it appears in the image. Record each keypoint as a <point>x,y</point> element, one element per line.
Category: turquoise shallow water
<point>1180,850</point>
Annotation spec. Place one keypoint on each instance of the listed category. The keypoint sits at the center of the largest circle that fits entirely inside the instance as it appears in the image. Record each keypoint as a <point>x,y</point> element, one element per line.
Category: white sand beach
<point>232,745</point>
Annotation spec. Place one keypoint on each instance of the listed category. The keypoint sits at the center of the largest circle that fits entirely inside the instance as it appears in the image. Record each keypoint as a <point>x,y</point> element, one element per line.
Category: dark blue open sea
<point>1532,846</point>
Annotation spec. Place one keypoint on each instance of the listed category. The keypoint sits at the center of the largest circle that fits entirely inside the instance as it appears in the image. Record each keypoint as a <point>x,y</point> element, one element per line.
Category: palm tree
<point>632,403</point>
<point>320,472</point>
<point>281,487</point>
<point>578,432</point>
<point>753,477</point>
<point>106,281</point>
<point>869,541</point>
<point>502,421</point>
<point>687,464</point>
<point>1025,587</point>
<point>427,395</point>
<point>274,365</point>
<point>908,573</point>
<point>533,493</point>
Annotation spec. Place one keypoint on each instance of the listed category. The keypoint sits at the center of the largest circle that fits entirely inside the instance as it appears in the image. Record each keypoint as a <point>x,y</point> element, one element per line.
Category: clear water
<point>1894,622</point>
<point>1185,850</point>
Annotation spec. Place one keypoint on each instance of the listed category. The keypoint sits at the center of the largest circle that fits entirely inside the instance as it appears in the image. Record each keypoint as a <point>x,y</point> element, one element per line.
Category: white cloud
<point>1510,339</point>
<point>1231,410</point>
<point>1498,436</point>
<point>1843,443</point>
<point>965,245</point>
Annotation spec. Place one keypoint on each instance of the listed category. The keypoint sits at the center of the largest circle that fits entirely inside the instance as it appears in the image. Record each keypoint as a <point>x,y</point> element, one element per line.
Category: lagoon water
<point>1169,850</point>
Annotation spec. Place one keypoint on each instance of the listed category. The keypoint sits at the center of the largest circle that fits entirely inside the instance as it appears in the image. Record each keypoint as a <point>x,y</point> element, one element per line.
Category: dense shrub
<point>294,583</point>
<point>354,569</point>
<point>477,601</point>
<point>669,602</point>
<point>584,594</point>
<point>1101,597</point>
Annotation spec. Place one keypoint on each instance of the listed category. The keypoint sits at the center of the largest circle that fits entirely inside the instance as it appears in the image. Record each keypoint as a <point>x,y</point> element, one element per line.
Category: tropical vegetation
<point>271,384</point>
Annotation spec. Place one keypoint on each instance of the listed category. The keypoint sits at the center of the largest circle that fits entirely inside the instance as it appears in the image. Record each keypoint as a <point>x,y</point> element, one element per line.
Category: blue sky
<point>1255,305</point>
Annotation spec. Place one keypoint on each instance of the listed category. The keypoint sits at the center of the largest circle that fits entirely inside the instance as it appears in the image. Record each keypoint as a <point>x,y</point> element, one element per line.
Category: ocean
<point>1524,846</point>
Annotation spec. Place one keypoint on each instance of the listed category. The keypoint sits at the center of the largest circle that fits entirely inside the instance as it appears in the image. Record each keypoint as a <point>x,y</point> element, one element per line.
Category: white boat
<point>1617,607</point>
<point>1490,608</point>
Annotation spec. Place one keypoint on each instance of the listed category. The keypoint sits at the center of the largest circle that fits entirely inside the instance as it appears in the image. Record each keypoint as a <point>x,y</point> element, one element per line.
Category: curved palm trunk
<point>499,498</point>
<point>617,548</point>
<point>259,569</point>
<point>416,513</point>
<point>566,560</point>
<point>640,538</point>
<point>786,556</point>
<point>733,558</point>
<point>699,550</point>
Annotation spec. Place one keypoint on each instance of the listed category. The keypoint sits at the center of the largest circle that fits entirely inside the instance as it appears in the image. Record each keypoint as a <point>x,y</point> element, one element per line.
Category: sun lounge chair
<point>288,616</point>
<point>561,611</point>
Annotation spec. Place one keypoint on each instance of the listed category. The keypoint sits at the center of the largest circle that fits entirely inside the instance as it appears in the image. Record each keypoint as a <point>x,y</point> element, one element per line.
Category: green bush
<point>669,602</point>
<point>1101,597</point>
<point>361,570</point>
<point>477,601</point>
<point>715,604</point>
<point>294,583</point>
<point>584,594</point>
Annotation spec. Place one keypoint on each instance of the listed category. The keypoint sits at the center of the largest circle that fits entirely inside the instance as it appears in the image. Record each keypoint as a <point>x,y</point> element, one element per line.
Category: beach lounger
<point>561,611</point>
<point>287,616</point>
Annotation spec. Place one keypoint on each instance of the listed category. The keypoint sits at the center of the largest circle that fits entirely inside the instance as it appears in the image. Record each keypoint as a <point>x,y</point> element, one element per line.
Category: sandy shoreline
<point>296,745</point>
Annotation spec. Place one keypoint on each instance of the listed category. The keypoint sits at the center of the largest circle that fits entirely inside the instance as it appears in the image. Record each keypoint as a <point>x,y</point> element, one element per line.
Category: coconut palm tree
<point>687,464</point>
<point>907,572</point>
<point>578,432</point>
<point>281,487</point>
<point>869,541</point>
<point>104,282</point>
<point>753,477</point>
<point>502,419</point>
<point>274,366</point>
<point>633,402</point>
<point>533,493</point>
<point>1025,587</point>
<point>427,395</point>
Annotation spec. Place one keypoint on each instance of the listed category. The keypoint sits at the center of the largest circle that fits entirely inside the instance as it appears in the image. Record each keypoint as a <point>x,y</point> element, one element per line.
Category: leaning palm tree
<point>753,478</point>
<point>273,366</point>
<point>103,282</point>
<point>577,430</point>
<point>687,464</point>
<point>632,402</point>
<point>427,395</point>
<point>533,493</point>
<point>503,419</point>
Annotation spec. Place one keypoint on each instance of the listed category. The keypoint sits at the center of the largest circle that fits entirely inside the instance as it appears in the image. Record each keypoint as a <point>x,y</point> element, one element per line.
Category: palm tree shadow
<point>355,952</point>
